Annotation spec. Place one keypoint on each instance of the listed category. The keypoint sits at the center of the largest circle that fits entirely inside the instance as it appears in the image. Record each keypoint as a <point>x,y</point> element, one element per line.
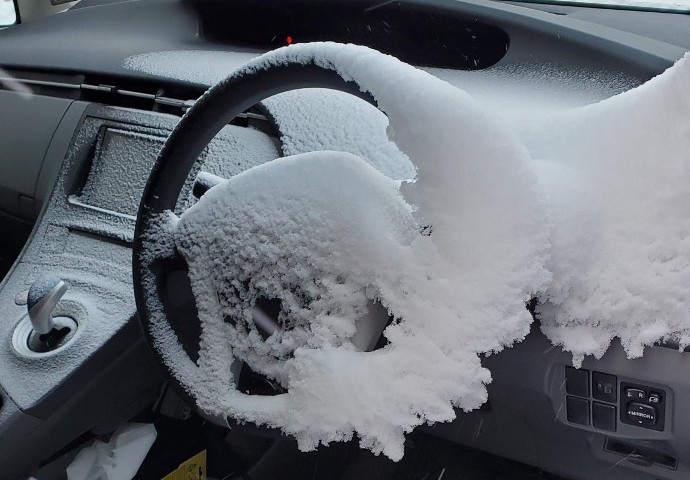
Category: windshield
<point>675,6</point>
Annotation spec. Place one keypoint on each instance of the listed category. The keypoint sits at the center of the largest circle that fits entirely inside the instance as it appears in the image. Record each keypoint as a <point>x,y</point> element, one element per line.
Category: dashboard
<point>76,156</point>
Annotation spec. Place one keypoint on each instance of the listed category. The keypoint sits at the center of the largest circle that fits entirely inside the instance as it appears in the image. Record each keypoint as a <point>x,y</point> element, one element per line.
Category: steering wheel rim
<point>244,88</point>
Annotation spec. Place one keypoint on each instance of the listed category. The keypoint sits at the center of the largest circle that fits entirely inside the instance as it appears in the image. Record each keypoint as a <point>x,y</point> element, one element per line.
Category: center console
<point>97,162</point>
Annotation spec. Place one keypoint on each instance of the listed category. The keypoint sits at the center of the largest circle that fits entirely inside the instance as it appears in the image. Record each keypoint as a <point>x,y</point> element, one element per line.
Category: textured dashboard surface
<point>88,247</point>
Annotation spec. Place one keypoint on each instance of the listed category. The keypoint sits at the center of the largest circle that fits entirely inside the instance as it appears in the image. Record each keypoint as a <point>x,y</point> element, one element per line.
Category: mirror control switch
<point>635,394</point>
<point>641,413</point>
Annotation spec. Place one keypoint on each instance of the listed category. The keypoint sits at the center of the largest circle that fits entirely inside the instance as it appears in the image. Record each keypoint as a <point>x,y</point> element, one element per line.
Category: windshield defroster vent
<point>120,92</point>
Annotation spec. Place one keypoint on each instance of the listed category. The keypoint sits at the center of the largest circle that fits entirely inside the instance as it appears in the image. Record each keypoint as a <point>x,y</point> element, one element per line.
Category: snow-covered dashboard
<point>82,236</point>
<point>85,230</point>
<point>84,233</point>
<point>86,227</point>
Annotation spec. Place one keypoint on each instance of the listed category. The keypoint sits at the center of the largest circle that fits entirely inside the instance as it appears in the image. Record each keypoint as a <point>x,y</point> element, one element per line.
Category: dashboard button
<point>577,382</point>
<point>654,398</point>
<point>641,414</point>
<point>577,410</point>
<point>604,387</point>
<point>635,394</point>
<point>604,416</point>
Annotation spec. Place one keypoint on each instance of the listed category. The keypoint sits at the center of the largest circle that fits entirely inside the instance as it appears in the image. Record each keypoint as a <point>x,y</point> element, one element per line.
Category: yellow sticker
<point>192,469</point>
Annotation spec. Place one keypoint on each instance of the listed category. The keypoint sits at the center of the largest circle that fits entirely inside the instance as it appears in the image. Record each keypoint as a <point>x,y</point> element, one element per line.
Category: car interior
<point>81,134</point>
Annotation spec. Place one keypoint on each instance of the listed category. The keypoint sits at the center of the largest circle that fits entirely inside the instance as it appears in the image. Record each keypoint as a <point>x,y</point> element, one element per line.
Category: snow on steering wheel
<point>316,239</point>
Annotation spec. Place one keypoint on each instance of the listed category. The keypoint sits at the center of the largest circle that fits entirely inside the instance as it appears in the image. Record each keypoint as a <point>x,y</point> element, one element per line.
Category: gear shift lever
<point>39,332</point>
<point>48,333</point>
<point>43,296</point>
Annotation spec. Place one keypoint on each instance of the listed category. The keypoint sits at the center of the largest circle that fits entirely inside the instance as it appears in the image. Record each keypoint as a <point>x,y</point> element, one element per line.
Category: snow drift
<point>328,234</point>
<point>618,178</point>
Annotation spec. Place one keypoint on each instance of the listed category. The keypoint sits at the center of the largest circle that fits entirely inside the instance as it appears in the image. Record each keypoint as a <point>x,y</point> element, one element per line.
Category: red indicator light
<point>289,40</point>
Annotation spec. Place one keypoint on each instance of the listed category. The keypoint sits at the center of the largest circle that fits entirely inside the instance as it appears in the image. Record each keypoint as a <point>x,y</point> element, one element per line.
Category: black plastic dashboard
<point>413,33</point>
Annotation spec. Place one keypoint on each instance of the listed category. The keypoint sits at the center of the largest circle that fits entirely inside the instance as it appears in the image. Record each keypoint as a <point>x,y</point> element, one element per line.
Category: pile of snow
<point>618,177</point>
<point>319,119</point>
<point>327,234</point>
<point>526,93</point>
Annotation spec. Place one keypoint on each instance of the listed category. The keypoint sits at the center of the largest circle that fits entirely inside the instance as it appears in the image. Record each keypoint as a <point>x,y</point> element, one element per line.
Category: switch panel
<point>642,406</point>
<point>644,414</point>
<point>603,402</point>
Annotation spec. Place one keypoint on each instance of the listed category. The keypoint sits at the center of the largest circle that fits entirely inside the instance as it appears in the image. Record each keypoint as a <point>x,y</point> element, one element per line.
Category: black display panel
<point>431,36</point>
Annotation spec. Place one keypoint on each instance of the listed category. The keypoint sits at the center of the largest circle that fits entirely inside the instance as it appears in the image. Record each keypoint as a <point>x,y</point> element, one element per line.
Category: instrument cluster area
<point>420,35</point>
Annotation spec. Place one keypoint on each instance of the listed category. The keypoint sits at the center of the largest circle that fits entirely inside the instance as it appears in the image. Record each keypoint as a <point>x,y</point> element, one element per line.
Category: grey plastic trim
<point>25,135</point>
<point>55,155</point>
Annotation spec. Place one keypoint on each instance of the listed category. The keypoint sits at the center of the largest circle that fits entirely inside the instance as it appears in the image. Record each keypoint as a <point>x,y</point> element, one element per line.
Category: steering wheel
<point>161,288</point>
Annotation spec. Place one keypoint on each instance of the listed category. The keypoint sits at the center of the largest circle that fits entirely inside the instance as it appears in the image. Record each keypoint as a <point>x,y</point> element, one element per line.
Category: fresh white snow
<point>618,178</point>
<point>587,207</point>
<point>199,66</point>
<point>318,119</point>
<point>328,234</point>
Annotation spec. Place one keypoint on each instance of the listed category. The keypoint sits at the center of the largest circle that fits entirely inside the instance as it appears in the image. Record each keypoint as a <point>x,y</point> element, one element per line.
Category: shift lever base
<point>60,335</point>
<point>30,344</point>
